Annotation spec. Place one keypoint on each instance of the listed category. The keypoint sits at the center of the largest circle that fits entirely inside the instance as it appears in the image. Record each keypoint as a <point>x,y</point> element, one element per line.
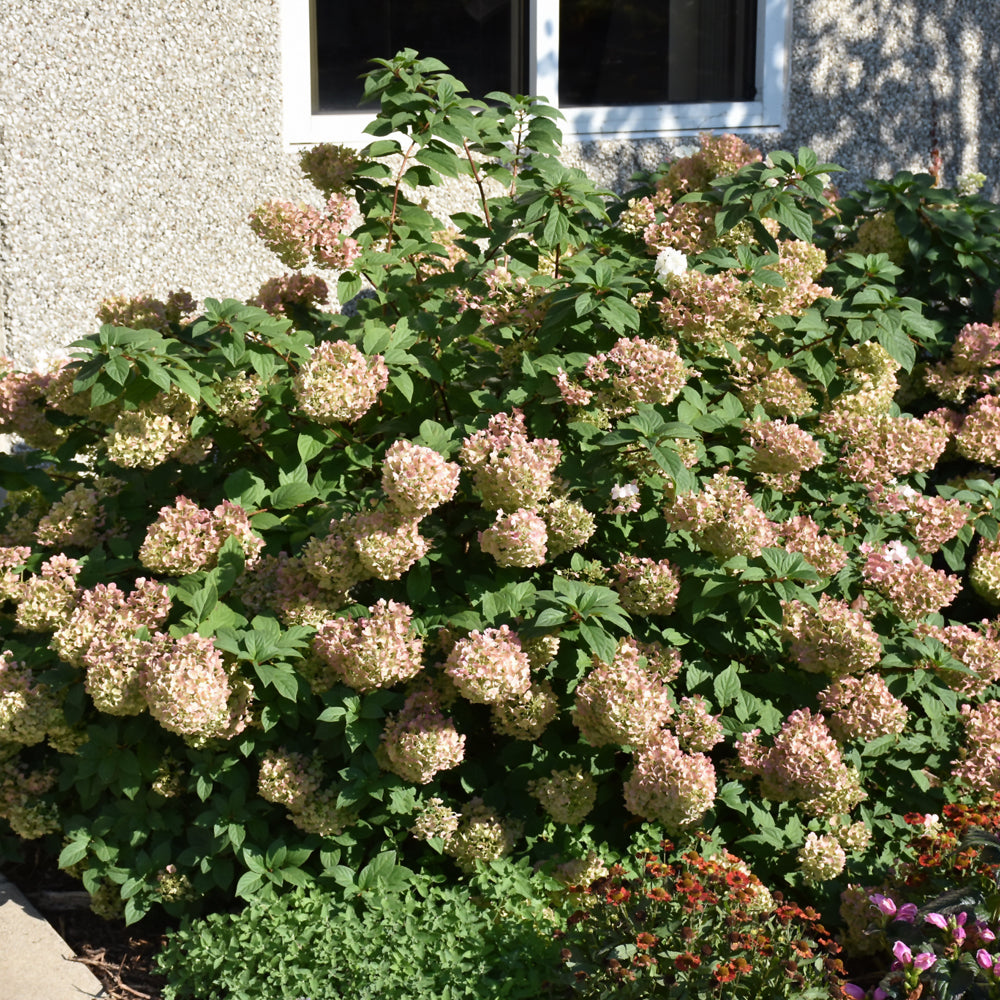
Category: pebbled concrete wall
<point>135,137</point>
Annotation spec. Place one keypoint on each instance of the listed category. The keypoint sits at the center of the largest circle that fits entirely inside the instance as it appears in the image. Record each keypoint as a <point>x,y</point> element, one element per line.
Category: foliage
<point>583,512</point>
<point>935,919</point>
<point>691,925</point>
<point>413,940</point>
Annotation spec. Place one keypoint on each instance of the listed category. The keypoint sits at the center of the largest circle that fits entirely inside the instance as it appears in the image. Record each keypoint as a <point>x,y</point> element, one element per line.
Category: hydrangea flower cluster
<point>802,534</point>
<point>517,539</point>
<point>238,401</point>
<point>419,740</point>
<point>28,710</point>
<point>482,835</point>
<point>567,796</point>
<point>696,729</point>
<point>914,588</point>
<point>978,436</point>
<point>511,471</point>
<point>972,367</point>
<point>386,544</point>
<point>101,636</point>
<point>155,433</point>
<point>378,651</point>
<point>932,520</point>
<point>294,780</point>
<point>186,538</point>
<point>489,667</point>
<point>435,820</point>
<point>832,638</point>
<point>978,768</point>
<point>723,518</point>
<point>646,587</point>
<point>803,765</point>
<point>21,803</point>
<point>568,525</point>
<point>143,312</point>
<point>779,392</point>
<point>46,601</point>
<point>977,649</point>
<point>417,479</point>
<point>526,716</point>
<point>882,447</point>
<point>622,703</point>
<point>669,786</point>
<point>22,409</point>
<point>279,296</point>
<point>984,570</point>
<point>862,708</point>
<point>821,858</point>
<point>75,519</point>
<point>301,234</point>
<point>782,452</point>
<point>338,384</point>
<point>190,691</point>
<point>637,371</point>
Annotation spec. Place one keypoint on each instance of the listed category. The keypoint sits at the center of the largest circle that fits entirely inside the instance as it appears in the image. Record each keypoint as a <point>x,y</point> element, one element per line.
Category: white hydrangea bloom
<point>669,262</point>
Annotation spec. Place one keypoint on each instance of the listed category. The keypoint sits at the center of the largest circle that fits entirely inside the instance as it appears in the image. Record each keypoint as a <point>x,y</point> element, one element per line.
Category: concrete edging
<point>35,962</point>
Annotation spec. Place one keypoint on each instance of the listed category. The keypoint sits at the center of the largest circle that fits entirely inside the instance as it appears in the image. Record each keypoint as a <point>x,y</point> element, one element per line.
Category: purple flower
<point>907,912</point>
<point>879,994</point>
<point>854,991</point>
<point>884,903</point>
<point>937,920</point>
<point>924,960</point>
<point>902,952</point>
<point>984,958</point>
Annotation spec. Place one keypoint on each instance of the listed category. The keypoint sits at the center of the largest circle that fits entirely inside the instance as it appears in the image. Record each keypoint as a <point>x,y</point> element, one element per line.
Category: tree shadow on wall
<point>876,85</point>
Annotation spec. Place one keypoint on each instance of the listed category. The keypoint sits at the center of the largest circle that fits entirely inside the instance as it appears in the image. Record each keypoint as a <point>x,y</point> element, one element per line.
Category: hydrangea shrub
<point>676,508</point>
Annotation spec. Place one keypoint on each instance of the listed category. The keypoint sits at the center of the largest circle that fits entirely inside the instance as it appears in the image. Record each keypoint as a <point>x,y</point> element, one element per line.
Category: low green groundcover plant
<point>672,511</point>
<point>673,924</point>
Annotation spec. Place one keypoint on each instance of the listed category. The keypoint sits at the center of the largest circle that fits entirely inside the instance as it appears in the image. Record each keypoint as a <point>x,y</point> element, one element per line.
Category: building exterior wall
<point>136,136</point>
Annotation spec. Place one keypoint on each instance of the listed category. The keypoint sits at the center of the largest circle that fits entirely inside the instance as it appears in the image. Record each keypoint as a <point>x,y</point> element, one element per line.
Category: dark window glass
<point>478,39</point>
<point>642,52</point>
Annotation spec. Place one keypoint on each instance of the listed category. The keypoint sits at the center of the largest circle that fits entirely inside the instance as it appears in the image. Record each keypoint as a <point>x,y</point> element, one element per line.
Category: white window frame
<point>304,127</point>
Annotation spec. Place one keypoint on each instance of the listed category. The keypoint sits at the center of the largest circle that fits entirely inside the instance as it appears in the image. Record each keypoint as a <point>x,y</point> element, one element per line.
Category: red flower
<point>618,895</point>
<point>724,973</point>
<point>658,893</point>
<point>686,961</point>
<point>646,940</point>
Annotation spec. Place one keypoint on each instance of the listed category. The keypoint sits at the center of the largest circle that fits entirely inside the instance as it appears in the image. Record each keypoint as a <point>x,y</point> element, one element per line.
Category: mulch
<point>122,958</point>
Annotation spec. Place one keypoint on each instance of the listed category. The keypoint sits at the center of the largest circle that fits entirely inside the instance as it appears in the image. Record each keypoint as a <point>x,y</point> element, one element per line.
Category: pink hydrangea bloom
<point>517,539</point>
<point>417,479</point>
<point>489,667</point>
<point>338,384</point>
<point>914,588</point>
<point>377,651</point>
<point>862,708</point>
<point>668,786</point>
<point>190,691</point>
<point>646,587</point>
<point>419,741</point>
<point>832,638</point>
<point>511,471</point>
<point>186,538</point>
<point>622,703</point>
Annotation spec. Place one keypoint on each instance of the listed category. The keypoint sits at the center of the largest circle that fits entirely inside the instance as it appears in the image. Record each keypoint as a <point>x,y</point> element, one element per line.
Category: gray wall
<point>135,136</point>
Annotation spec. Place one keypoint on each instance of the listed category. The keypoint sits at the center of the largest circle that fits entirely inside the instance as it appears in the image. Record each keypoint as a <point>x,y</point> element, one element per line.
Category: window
<point>615,68</point>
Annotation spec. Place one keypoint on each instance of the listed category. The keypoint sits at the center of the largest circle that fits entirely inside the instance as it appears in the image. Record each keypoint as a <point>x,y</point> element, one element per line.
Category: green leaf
<point>74,851</point>
<point>292,495</point>
<point>310,444</point>
<point>899,347</point>
<point>726,686</point>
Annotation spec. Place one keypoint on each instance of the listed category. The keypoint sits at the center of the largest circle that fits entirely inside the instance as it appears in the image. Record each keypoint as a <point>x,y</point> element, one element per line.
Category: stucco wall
<point>135,136</point>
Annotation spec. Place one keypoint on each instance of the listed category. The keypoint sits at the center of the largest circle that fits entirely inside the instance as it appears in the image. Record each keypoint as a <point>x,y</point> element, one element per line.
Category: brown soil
<point>121,957</point>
